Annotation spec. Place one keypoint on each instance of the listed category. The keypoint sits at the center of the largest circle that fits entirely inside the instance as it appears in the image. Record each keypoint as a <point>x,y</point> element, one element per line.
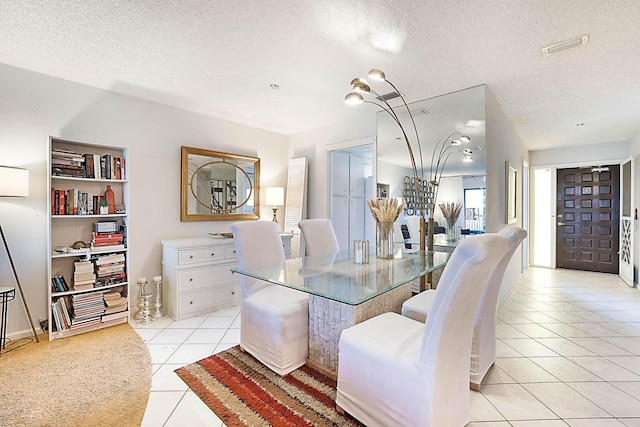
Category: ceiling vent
<point>388,96</point>
<point>565,45</point>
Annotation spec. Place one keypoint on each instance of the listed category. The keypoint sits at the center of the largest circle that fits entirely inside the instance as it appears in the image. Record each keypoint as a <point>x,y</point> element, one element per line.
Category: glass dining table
<point>343,293</point>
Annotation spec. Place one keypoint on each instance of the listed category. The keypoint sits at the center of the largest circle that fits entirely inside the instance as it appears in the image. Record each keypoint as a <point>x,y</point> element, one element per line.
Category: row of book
<point>59,284</point>
<point>98,271</point>
<point>86,309</point>
<point>75,202</point>
<point>70,164</point>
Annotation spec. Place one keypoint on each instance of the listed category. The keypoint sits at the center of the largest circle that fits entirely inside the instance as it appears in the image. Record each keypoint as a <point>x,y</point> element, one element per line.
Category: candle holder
<point>145,317</point>
<point>157,280</point>
<point>142,282</point>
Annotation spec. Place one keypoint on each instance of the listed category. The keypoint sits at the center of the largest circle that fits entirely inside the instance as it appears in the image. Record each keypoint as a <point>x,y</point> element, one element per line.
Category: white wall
<point>597,154</point>
<point>503,144</point>
<point>313,144</point>
<point>34,106</point>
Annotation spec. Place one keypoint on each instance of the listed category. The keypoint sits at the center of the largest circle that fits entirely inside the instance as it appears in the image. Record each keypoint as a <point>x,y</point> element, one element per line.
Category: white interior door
<point>627,229</point>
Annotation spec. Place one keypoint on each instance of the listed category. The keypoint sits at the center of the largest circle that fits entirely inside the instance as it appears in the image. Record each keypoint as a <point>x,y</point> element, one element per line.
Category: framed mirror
<point>218,186</point>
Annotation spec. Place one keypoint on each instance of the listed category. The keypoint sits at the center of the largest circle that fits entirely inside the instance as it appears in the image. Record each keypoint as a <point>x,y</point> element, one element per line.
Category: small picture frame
<point>511,191</point>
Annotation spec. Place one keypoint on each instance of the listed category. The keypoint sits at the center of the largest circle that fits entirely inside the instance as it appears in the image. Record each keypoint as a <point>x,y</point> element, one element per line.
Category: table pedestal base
<point>327,319</point>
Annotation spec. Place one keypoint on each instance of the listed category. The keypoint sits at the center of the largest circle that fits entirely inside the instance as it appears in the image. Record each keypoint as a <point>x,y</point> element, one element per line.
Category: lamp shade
<point>274,196</point>
<point>14,182</point>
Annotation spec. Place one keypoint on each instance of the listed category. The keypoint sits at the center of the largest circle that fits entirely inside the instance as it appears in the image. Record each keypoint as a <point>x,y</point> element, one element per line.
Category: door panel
<point>627,234</point>
<point>588,219</point>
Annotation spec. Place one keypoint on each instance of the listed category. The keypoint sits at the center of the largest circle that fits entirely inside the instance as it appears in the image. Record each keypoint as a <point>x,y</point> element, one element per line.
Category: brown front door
<point>588,219</point>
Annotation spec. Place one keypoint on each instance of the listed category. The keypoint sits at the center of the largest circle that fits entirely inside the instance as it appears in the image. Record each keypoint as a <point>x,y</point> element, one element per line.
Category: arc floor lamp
<point>14,182</point>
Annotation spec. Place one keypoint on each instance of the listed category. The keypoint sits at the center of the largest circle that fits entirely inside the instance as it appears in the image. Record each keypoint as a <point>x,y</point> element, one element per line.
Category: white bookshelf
<point>65,229</point>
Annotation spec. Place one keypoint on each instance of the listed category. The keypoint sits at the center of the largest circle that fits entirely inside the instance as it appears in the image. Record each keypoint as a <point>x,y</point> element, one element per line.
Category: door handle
<point>560,223</point>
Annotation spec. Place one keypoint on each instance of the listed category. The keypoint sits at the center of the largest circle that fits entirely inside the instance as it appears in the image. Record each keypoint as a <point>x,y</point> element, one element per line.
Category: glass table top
<point>335,276</point>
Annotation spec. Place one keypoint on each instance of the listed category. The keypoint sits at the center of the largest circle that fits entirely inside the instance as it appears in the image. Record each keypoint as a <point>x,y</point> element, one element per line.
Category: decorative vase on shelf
<point>111,200</point>
<point>384,240</point>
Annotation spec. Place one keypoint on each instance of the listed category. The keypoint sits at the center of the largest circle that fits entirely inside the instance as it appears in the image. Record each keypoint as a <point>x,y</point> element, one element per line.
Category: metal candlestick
<point>145,318</point>
<point>142,282</point>
<point>158,304</point>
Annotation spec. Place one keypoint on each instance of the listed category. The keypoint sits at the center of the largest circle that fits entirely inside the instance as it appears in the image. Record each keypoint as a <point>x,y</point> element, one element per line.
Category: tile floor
<point>568,355</point>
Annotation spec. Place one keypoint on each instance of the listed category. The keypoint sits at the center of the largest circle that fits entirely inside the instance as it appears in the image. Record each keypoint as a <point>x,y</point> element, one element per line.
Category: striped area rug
<point>243,392</point>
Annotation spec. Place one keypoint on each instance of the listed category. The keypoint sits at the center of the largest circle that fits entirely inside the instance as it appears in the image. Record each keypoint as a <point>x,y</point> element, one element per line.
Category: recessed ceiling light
<point>274,86</point>
<point>565,45</point>
<point>579,124</point>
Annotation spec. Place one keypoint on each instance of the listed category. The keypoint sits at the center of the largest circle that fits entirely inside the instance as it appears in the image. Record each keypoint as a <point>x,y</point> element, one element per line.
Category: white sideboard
<point>197,277</point>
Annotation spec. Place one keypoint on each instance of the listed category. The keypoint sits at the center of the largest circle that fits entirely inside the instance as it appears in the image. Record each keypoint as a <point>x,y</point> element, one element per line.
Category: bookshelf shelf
<point>75,305</point>
<point>117,215</point>
<point>70,178</point>
<point>101,288</point>
<point>81,330</point>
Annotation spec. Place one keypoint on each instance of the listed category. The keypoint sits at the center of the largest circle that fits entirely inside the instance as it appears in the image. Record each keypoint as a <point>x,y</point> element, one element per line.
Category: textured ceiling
<point>220,57</point>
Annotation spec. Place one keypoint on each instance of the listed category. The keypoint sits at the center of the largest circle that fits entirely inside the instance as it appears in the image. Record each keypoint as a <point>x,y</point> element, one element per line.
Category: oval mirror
<point>218,186</point>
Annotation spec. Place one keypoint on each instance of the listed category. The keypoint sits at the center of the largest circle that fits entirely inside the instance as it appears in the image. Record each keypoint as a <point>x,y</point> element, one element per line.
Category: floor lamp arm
<point>15,274</point>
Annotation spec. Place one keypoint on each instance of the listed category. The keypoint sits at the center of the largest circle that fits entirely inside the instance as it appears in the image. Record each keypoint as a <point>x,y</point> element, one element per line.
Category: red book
<point>61,206</point>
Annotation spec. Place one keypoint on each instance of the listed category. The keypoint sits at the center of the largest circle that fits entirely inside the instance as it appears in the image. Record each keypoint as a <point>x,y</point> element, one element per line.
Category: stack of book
<point>67,163</point>
<point>115,305</point>
<point>61,315</point>
<point>107,235</point>
<point>83,275</point>
<point>87,309</point>
<point>101,240</point>
<point>110,269</point>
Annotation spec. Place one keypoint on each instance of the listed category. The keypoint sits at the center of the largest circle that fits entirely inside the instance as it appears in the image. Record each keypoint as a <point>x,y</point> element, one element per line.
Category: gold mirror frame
<point>190,201</point>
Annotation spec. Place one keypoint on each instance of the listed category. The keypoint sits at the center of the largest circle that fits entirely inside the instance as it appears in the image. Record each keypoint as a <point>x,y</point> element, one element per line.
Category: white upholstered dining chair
<point>274,320</point>
<point>483,347</point>
<point>394,370</point>
<point>319,236</point>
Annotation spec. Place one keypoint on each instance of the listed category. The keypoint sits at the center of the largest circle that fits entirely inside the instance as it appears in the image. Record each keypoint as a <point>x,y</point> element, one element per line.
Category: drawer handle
<point>191,279</point>
<point>233,293</point>
<point>190,256</point>
<point>213,254</point>
<point>190,302</point>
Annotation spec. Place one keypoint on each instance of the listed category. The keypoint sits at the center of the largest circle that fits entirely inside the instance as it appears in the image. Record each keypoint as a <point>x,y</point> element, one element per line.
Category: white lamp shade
<point>274,196</point>
<point>14,182</point>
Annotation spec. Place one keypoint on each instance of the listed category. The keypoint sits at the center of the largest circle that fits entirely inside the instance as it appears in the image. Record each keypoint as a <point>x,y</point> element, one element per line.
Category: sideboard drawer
<point>189,257</point>
<point>212,254</point>
<point>195,278</point>
<point>191,303</point>
<point>230,252</point>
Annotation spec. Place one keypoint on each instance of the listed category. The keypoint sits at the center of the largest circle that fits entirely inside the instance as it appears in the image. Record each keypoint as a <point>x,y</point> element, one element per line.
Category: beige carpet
<point>100,378</point>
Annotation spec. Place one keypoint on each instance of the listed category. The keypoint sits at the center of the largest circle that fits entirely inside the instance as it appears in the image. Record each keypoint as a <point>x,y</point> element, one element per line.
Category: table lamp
<point>14,182</point>
<point>275,198</point>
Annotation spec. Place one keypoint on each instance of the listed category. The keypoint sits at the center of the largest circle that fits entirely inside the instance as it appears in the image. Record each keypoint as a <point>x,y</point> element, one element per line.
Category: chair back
<point>319,236</point>
<point>488,303</point>
<point>446,346</point>
<point>258,244</point>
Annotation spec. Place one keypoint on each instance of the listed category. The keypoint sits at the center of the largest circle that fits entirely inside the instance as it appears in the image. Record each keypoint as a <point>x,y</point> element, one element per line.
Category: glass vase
<point>452,233</point>
<point>384,239</point>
